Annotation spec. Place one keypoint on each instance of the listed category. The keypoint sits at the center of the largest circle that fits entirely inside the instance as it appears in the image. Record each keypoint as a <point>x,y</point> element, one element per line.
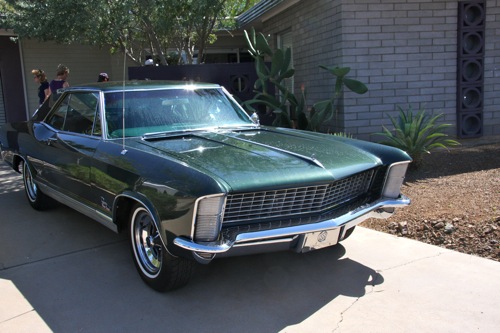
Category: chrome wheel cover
<point>146,243</point>
<point>29,184</point>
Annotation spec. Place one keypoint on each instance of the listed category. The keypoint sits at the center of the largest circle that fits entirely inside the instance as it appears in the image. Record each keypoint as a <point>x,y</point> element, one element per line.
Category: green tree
<point>194,25</point>
<point>130,26</point>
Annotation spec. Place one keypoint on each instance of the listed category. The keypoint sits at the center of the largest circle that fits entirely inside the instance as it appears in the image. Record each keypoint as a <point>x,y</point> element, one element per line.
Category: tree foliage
<point>136,27</point>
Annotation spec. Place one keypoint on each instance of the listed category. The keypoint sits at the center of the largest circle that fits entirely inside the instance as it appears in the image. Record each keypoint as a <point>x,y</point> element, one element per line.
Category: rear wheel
<point>160,270</point>
<point>37,199</point>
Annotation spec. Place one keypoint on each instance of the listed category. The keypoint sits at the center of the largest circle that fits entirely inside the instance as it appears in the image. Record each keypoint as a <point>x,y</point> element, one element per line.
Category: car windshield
<point>170,110</point>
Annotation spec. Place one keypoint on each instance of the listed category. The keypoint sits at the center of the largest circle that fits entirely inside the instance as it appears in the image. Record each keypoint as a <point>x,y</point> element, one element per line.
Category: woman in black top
<point>43,88</point>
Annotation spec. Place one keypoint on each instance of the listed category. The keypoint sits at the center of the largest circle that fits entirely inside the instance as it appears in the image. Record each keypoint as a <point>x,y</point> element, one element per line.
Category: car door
<point>75,128</point>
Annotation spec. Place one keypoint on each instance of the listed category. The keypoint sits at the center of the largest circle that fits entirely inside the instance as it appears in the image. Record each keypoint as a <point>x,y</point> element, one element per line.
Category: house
<point>441,55</point>
<point>18,91</point>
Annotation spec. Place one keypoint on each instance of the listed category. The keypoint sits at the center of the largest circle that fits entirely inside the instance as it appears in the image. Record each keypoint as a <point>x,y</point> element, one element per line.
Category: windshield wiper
<point>234,127</point>
<point>167,134</point>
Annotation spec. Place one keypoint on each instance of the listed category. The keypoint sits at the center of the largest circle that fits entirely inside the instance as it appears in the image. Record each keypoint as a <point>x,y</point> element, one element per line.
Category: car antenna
<point>124,151</point>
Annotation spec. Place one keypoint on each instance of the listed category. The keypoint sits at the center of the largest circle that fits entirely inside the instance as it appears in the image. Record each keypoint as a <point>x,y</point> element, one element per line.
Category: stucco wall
<point>405,51</point>
<point>85,64</point>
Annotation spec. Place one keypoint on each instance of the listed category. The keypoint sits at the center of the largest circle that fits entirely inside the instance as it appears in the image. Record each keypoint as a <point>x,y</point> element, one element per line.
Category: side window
<point>56,119</point>
<point>77,113</point>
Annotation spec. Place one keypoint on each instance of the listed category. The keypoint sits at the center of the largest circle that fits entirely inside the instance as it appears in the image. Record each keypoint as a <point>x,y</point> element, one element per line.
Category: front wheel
<point>37,199</point>
<point>159,269</point>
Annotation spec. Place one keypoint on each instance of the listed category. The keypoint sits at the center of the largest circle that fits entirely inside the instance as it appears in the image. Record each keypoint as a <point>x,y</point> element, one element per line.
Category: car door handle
<point>50,141</point>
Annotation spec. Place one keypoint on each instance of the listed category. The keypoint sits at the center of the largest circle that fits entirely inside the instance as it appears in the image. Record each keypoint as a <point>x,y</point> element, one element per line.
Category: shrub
<point>417,134</point>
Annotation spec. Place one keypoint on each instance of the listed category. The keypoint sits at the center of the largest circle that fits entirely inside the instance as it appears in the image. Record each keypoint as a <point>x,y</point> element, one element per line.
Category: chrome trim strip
<point>79,207</point>
<point>375,210</point>
<point>267,242</point>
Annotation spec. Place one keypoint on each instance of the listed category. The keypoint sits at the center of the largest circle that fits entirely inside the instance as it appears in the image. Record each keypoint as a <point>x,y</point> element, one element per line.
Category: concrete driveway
<point>62,272</point>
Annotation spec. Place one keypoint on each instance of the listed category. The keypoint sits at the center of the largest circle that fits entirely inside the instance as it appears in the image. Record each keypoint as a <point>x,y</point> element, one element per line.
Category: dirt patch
<point>455,202</point>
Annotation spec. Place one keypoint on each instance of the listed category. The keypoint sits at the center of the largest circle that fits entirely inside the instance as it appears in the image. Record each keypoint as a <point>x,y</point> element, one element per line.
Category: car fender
<point>119,219</point>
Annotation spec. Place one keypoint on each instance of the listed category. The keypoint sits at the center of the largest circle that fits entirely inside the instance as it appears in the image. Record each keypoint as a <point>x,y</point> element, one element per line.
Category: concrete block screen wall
<point>470,68</point>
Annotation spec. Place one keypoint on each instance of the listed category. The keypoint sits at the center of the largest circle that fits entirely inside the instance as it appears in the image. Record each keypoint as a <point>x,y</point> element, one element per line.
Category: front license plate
<point>320,239</point>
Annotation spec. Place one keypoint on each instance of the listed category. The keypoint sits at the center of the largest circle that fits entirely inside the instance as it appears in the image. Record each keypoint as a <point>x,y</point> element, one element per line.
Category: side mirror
<point>255,118</point>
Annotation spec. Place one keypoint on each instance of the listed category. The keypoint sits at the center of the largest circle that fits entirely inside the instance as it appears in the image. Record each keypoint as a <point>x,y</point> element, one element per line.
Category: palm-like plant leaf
<point>277,62</point>
<point>355,86</point>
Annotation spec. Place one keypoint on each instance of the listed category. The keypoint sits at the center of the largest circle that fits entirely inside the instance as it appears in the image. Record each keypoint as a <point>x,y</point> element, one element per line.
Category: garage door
<point>2,104</point>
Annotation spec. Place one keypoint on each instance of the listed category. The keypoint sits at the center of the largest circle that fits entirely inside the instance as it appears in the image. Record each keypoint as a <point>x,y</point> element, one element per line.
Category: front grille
<point>232,230</point>
<point>292,202</point>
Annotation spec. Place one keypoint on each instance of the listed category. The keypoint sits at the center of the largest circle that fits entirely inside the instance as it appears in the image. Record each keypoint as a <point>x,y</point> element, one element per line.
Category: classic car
<point>190,176</point>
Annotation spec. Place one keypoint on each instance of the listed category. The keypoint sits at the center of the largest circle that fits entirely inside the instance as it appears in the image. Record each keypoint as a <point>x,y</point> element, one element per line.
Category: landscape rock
<point>449,228</point>
<point>452,202</point>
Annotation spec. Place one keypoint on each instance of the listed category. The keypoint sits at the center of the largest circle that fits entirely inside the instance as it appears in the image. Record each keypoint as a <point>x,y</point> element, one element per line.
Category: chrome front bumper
<point>382,208</point>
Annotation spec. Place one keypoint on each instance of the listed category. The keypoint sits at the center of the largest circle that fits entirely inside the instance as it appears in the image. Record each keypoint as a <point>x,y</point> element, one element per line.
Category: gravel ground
<point>455,201</point>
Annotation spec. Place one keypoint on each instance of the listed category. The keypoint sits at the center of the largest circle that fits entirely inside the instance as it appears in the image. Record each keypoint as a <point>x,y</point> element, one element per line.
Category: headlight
<point>208,218</point>
<point>394,179</point>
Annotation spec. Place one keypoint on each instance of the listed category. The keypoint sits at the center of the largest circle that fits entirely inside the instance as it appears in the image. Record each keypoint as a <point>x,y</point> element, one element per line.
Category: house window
<point>284,42</point>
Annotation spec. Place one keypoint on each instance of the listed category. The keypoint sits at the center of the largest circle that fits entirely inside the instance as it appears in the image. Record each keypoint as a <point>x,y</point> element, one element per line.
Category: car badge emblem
<point>322,236</point>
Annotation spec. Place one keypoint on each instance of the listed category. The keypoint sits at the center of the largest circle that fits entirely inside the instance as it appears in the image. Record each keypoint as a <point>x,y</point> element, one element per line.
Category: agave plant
<point>343,135</point>
<point>417,134</point>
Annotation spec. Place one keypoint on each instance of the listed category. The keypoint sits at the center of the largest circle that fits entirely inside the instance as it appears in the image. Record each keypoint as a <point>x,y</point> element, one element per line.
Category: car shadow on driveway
<point>98,290</point>
<point>79,276</point>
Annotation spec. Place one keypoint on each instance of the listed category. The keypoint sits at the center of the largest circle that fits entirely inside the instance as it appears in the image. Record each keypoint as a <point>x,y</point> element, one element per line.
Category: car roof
<point>139,85</point>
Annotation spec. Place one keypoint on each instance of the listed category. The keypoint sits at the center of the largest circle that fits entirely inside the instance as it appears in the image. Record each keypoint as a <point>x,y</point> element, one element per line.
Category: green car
<point>191,177</point>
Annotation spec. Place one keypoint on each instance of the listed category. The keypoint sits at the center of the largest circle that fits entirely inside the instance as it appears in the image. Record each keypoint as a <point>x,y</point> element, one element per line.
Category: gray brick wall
<point>405,51</point>
<point>414,40</point>
<point>316,28</point>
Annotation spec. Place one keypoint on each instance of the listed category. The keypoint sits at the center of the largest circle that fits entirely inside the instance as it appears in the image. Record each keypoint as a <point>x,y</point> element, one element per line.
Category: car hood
<point>260,159</point>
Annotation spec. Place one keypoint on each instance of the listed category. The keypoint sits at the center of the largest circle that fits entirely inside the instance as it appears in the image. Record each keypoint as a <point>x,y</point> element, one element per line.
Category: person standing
<point>60,81</point>
<point>43,87</point>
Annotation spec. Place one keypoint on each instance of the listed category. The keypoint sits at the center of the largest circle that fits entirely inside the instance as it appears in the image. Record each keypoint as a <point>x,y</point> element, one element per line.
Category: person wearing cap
<point>103,77</point>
